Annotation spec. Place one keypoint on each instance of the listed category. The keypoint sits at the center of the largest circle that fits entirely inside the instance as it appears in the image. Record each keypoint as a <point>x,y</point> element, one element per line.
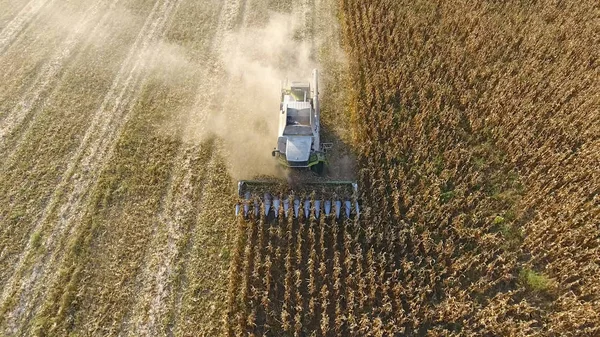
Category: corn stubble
<point>476,128</point>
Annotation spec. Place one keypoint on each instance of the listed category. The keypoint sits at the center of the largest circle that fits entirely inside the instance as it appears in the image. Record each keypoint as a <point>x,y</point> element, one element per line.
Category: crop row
<point>474,126</point>
<point>475,131</point>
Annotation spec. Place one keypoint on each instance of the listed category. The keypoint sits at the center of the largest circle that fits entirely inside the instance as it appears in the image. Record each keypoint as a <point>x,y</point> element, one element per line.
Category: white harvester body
<point>299,142</point>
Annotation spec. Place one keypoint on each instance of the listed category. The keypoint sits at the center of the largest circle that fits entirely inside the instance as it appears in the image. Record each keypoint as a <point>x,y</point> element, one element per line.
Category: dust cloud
<point>255,61</point>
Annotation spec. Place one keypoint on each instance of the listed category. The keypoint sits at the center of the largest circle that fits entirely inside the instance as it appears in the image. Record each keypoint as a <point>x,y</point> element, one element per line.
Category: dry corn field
<point>475,128</point>
<point>477,131</point>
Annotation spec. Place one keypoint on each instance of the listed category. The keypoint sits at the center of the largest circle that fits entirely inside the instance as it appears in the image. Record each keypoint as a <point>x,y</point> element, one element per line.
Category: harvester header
<point>271,198</point>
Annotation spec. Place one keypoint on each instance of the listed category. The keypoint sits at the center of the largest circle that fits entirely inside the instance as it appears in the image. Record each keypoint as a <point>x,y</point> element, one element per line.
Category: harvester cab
<point>299,147</point>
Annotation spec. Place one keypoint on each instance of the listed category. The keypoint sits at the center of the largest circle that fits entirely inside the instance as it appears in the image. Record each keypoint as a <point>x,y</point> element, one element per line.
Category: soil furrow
<point>28,183</point>
<point>29,55</point>
<point>73,209</point>
<point>208,101</point>
<point>204,280</point>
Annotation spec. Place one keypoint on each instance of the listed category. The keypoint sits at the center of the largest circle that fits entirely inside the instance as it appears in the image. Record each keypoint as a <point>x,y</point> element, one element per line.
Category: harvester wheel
<point>318,168</point>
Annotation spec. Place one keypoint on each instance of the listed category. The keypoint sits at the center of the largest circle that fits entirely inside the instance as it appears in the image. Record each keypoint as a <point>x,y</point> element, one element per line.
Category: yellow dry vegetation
<point>476,126</point>
<point>111,222</point>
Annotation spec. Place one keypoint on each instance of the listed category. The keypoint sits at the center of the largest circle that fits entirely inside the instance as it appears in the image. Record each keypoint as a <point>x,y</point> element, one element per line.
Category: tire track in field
<point>184,294</point>
<point>86,164</point>
<point>16,25</point>
<point>10,10</point>
<point>308,8</point>
<point>48,76</point>
<point>178,206</point>
<point>40,90</point>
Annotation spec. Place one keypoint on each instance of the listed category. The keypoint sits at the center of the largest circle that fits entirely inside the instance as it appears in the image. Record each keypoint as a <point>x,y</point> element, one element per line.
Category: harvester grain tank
<point>299,142</point>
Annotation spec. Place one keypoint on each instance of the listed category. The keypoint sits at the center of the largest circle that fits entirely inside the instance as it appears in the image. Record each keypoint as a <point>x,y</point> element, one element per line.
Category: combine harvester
<point>299,147</point>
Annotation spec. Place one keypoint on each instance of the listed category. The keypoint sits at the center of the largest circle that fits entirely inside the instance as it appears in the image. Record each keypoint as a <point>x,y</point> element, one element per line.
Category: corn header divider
<point>332,198</point>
